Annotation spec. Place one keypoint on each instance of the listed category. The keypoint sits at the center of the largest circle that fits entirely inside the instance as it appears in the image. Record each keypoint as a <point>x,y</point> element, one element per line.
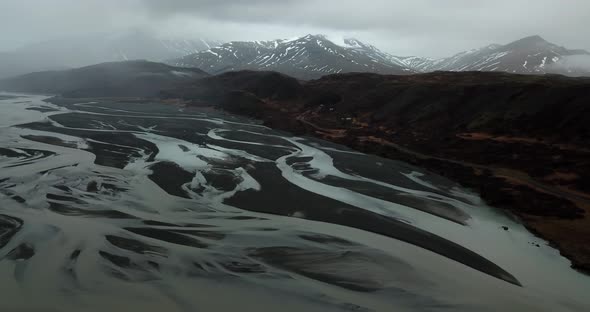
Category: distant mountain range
<point>307,57</point>
<point>313,56</point>
<point>94,49</point>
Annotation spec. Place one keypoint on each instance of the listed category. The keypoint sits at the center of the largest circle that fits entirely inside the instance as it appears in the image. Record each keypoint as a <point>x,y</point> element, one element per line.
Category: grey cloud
<point>419,27</point>
<point>229,8</point>
<point>441,27</point>
<point>28,21</point>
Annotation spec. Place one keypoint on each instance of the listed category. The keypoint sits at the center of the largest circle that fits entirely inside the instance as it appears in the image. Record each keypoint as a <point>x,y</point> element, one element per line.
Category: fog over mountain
<point>426,27</point>
<point>78,51</point>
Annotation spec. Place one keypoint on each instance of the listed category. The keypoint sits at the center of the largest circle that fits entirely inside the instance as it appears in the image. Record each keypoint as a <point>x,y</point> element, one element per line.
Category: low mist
<point>575,64</point>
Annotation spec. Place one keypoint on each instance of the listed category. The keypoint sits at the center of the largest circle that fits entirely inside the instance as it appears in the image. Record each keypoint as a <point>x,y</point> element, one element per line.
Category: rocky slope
<point>308,57</point>
<point>521,141</point>
<point>312,56</point>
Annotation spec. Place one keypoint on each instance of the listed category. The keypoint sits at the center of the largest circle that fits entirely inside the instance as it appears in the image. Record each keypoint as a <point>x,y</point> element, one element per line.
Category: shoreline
<point>517,141</point>
<point>489,185</point>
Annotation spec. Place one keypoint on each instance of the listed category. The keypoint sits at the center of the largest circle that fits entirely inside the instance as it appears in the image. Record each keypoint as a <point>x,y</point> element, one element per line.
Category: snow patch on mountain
<point>530,55</point>
<point>307,57</point>
<point>313,56</point>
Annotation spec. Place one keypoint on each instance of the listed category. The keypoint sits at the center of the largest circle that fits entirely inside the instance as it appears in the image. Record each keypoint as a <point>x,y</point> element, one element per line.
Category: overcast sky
<point>432,28</point>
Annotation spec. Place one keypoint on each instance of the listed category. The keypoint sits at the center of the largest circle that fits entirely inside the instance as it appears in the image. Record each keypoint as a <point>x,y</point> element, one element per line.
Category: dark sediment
<point>521,142</point>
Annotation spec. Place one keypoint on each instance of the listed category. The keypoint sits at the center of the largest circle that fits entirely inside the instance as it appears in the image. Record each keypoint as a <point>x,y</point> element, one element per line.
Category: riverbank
<point>518,141</point>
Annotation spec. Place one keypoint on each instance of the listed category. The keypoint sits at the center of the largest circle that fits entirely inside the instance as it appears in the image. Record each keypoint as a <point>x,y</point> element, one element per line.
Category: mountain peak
<point>531,41</point>
<point>534,39</point>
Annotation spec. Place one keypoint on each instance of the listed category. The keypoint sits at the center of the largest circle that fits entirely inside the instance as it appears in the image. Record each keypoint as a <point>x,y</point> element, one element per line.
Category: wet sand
<point>135,205</point>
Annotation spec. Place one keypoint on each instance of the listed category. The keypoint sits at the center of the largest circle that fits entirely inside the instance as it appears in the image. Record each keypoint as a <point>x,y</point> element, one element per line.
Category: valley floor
<point>128,205</point>
<point>507,172</point>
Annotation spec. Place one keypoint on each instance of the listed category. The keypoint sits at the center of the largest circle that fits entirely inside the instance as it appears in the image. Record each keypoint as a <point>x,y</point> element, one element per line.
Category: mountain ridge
<point>529,55</point>
<point>307,57</point>
<point>317,55</point>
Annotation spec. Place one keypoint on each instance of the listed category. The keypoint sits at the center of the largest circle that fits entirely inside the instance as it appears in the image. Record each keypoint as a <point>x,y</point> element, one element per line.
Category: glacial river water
<point>132,206</point>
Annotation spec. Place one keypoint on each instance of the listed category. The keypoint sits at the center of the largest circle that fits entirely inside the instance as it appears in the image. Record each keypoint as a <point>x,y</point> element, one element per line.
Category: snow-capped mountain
<point>313,56</point>
<point>307,57</point>
<point>93,49</point>
<point>530,55</point>
<point>227,57</point>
